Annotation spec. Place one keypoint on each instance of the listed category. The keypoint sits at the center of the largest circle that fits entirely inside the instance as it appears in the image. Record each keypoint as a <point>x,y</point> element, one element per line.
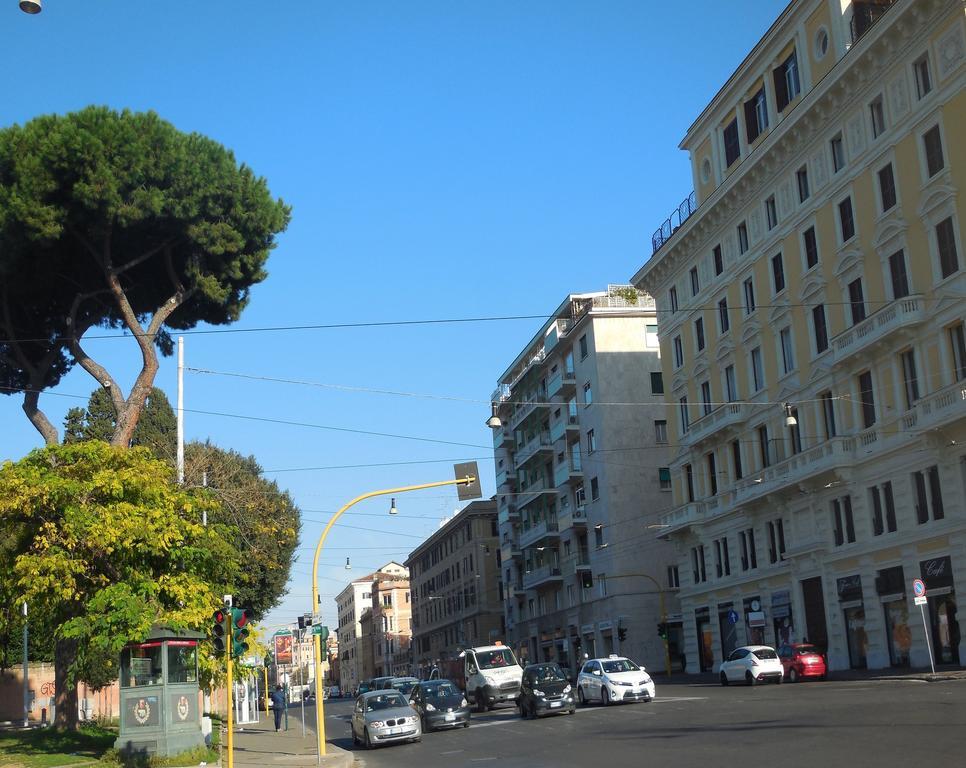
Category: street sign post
<point>919,593</point>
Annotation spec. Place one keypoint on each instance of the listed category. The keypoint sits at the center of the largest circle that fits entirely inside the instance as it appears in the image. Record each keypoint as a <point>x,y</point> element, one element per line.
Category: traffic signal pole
<point>316,639</point>
<point>228,664</point>
<point>663,609</point>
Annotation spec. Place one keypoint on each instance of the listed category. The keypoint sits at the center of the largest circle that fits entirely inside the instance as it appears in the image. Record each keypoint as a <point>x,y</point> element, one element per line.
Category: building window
<point>887,187</point>
<point>712,474</point>
<point>718,565</point>
<point>866,399</point>
<point>771,212</point>
<point>594,489</point>
<point>742,238</point>
<point>749,288</point>
<point>787,85</point>
<point>650,337</point>
<point>898,275</point>
<point>672,297</point>
<point>819,328</point>
<point>811,247</point>
<point>856,301</point>
<point>801,176</point>
<point>838,153</point>
<point>946,245</point>
<point>695,284</point>
<point>828,413</point>
<point>929,496</point>
<point>877,116</point>
<point>778,272</point>
<point>685,419</point>
<point>923,77</point>
<point>763,446</point>
<point>705,398</point>
<point>588,394</point>
<point>591,441</point>
<point>731,143</point>
<point>776,540</point>
<point>883,509</point>
<point>678,352</point>
<point>957,341</point>
<point>933,145</point>
<point>660,431</point>
<point>697,564</point>
<point>846,219</point>
<point>673,578</point>
<point>664,478</point>
<point>757,370</point>
<point>756,115</point>
<point>731,387</point>
<point>736,458</point>
<point>910,380</point>
<point>657,383</point>
<point>717,259</point>
<point>843,526</point>
<point>749,553</point>
<point>699,333</point>
<point>724,323</point>
<point>788,351</point>
<point>689,481</point>
<point>583,346</point>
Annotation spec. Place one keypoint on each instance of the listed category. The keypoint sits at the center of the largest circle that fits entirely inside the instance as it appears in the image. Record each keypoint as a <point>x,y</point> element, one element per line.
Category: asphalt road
<point>829,724</point>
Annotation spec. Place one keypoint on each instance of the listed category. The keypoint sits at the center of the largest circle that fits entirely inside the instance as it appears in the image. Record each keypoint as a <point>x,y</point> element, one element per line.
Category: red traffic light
<point>218,617</point>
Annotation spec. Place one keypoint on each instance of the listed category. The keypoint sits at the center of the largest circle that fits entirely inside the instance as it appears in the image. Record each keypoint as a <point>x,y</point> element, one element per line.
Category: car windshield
<point>404,686</point>
<point>765,653</point>
<point>495,659</point>
<point>620,665</point>
<point>385,701</point>
<point>548,674</point>
<point>807,650</point>
<point>441,690</point>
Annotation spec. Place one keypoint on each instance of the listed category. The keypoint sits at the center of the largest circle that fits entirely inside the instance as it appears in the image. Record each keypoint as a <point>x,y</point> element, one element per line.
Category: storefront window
<point>945,629</point>
<point>141,665</point>
<point>897,629</point>
<point>857,638</point>
<point>182,666</point>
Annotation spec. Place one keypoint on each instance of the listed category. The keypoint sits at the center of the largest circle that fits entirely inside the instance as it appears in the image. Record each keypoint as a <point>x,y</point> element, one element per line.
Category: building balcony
<point>539,446</point>
<point>568,471</point>
<point>576,563</point>
<point>681,517</point>
<point>503,438</point>
<point>673,222</point>
<point>573,517</point>
<point>510,550</point>
<point>813,543</point>
<point>508,514</point>
<point>865,14</point>
<point>545,529</point>
<point>896,316</point>
<point>563,425</point>
<point>524,410</point>
<point>533,492</point>
<point>722,417</point>
<point>542,576</point>
<point>562,383</point>
<point>938,409</point>
<point>515,590</point>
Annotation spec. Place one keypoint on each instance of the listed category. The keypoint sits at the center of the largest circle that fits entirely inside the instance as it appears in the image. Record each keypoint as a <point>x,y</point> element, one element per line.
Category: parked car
<point>615,678</point>
<point>363,687</point>
<point>380,682</point>
<point>802,660</point>
<point>752,664</point>
<point>440,704</point>
<point>383,717</point>
<point>545,690</point>
<point>404,685</point>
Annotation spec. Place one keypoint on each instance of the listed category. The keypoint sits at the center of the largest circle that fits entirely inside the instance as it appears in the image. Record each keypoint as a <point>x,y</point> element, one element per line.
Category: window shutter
<point>751,121</point>
<point>781,87</point>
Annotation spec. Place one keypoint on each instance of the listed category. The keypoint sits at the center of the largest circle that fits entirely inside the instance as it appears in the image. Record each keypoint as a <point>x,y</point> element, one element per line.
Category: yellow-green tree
<point>104,545</point>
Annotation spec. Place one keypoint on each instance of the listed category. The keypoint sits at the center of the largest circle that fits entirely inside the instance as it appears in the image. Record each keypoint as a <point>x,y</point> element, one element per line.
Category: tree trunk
<point>38,418</point>
<point>65,695</point>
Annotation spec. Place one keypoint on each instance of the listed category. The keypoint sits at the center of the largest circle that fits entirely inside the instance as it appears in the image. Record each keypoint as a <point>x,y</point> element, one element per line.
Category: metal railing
<point>675,220</point>
<point>865,14</point>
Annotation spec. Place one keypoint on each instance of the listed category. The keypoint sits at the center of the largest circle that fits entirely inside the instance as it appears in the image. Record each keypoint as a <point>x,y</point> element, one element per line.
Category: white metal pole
<point>26,687</point>
<point>181,410</point>
<point>925,627</point>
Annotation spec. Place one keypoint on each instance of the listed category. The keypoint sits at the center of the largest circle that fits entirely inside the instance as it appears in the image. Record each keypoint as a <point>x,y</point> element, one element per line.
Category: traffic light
<point>586,579</point>
<point>577,643</point>
<point>622,633</point>
<point>323,633</point>
<point>662,630</point>
<point>239,632</point>
<point>301,622</point>
<point>219,630</point>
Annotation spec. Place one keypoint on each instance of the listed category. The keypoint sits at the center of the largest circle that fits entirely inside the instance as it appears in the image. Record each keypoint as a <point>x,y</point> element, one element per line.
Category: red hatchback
<point>801,660</point>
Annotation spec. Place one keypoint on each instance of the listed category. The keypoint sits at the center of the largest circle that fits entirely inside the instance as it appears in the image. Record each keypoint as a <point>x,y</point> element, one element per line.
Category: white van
<point>492,676</point>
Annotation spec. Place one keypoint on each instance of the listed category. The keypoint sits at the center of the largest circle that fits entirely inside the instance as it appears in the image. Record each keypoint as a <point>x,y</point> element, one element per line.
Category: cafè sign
<point>937,572</point>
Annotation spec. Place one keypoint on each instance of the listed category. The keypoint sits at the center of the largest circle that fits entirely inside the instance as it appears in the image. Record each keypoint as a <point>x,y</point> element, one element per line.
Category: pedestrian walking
<point>278,704</point>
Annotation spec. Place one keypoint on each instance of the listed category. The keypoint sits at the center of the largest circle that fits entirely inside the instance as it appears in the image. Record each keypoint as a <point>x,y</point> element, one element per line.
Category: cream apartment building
<point>582,477</point>
<point>811,297</point>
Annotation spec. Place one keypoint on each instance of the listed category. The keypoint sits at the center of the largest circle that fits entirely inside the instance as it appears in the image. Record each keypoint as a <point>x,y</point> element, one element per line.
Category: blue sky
<point>443,160</point>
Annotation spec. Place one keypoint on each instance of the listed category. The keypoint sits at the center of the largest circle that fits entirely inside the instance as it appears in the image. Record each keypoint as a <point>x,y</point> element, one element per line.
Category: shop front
<point>754,621</point>
<point>705,632</point>
<point>727,628</point>
<point>781,614</point>
<point>938,575</point>
<point>891,589</point>
<point>850,601</point>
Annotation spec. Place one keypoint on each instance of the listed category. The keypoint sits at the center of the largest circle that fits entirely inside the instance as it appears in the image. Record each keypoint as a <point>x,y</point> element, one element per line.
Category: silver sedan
<point>384,717</point>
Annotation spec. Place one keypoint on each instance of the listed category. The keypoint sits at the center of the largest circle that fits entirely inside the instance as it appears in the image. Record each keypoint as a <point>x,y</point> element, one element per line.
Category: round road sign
<point>918,587</point>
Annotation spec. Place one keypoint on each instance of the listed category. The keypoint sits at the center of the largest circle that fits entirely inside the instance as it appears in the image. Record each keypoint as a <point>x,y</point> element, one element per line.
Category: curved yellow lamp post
<point>317,642</point>
<point>663,608</point>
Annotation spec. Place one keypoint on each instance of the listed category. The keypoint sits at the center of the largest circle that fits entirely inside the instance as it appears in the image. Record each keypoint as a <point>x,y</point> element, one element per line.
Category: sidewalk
<point>257,744</point>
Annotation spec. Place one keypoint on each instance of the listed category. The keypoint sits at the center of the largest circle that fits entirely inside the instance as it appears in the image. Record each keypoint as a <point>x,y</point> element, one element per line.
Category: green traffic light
<point>239,631</point>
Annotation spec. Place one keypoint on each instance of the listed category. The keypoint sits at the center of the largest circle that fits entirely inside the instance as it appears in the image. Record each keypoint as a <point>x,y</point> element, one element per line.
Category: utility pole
<point>26,687</point>
<point>180,459</point>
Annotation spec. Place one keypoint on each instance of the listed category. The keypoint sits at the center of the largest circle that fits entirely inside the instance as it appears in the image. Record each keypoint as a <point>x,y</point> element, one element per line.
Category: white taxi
<point>613,679</point>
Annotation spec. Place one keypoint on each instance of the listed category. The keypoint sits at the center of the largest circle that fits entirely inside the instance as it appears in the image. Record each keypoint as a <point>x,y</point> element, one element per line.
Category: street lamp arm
<point>663,609</point>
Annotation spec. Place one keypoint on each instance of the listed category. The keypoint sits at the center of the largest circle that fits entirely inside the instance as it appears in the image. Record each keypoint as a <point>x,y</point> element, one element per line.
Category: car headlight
<point>464,703</point>
<point>646,680</point>
<point>538,693</point>
<point>568,689</point>
<point>489,680</point>
<point>411,719</point>
<point>430,708</point>
<point>377,724</point>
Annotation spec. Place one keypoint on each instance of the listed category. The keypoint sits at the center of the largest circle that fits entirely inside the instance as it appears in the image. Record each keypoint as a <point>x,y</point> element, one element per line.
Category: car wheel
<point>466,724</point>
<point>750,678</point>
<point>573,711</point>
<point>793,675</point>
<point>417,739</point>
<point>780,680</point>
<point>580,695</point>
<point>424,725</point>
<point>724,679</point>
<point>823,677</point>
<point>604,696</point>
<point>355,739</point>
<point>480,703</point>
<point>366,739</point>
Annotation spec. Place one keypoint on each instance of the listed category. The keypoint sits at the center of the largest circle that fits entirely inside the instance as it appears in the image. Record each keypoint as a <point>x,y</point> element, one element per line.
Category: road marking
<point>453,752</point>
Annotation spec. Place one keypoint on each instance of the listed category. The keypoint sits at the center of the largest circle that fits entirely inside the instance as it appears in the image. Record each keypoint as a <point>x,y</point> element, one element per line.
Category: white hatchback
<point>615,678</point>
<point>752,664</point>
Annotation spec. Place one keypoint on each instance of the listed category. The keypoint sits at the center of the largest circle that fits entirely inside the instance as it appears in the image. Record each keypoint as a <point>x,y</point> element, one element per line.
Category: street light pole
<point>26,687</point>
<point>316,641</point>
<point>663,609</point>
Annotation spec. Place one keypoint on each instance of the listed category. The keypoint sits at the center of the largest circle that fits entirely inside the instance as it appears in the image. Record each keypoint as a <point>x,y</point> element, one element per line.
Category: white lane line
<point>453,752</point>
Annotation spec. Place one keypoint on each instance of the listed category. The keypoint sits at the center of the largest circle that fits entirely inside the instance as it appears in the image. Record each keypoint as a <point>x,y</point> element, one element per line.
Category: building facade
<point>391,624</point>
<point>581,473</point>
<point>811,296</point>
<point>456,589</point>
<point>350,603</point>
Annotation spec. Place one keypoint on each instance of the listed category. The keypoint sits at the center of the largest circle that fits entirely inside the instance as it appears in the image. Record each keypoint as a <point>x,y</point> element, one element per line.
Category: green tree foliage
<point>265,520</point>
<point>118,220</point>
<point>104,545</point>
<point>157,429</point>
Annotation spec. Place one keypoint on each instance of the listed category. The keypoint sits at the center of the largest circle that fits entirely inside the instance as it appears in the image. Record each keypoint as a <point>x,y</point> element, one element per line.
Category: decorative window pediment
<point>888,231</point>
<point>848,262</point>
<point>777,313</point>
<point>749,332</point>
<point>938,196</point>
<point>724,350</point>
<point>811,288</point>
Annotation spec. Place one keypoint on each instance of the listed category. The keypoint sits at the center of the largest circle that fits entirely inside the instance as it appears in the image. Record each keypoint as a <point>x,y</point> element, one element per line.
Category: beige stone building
<point>391,624</point>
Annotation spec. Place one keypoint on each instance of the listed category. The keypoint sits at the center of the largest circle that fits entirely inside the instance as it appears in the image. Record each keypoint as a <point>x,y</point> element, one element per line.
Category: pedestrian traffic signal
<point>662,630</point>
<point>239,632</point>
<point>622,633</point>
<point>586,579</point>
<point>219,630</point>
